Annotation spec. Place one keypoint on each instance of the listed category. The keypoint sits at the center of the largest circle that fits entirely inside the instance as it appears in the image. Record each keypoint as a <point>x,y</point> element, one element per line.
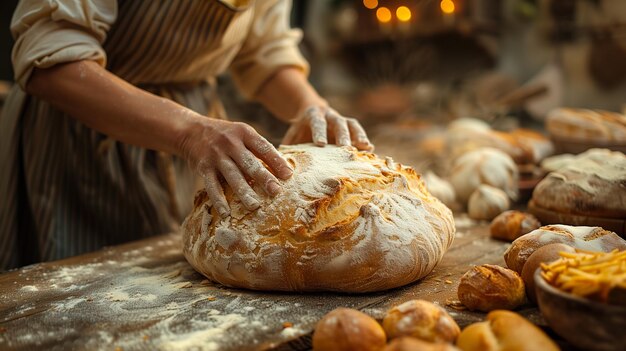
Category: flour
<point>377,207</point>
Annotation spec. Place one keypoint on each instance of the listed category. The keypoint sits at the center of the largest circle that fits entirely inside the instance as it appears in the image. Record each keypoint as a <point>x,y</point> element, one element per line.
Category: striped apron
<point>74,190</point>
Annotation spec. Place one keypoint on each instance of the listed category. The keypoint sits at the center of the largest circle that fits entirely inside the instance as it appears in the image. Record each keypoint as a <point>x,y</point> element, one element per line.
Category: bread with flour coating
<point>345,221</point>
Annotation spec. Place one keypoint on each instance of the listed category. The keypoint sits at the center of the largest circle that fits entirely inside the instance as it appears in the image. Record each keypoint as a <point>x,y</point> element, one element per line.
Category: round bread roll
<point>440,189</point>
<point>487,202</point>
<point>584,238</point>
<point>420,319</point>
<point>489,287</point>
<point>345,329</point>
<point>544,254</point>
<point>406,343</point>
<point>591,184</point>
<point>510,225</point>
<point>504,331</point>
<point>345,221</point>
<point>484,166</point>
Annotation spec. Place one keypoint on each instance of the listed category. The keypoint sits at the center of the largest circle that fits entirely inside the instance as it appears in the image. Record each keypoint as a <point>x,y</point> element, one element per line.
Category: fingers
<point>317,123</point>
<point>359,137</point>
<point>264,150</point>
<point>255,170</point>
<point>216,194</point>
<point>339,126</point>
<point>238,183</point>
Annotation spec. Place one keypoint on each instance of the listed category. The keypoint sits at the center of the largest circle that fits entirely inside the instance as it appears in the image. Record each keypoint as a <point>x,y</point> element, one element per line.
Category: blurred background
<point>401,63</point>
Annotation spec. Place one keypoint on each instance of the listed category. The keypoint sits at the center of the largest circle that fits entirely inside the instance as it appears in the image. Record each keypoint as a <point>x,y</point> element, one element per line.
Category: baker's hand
<point>322,125</point>
<point>232,151</point>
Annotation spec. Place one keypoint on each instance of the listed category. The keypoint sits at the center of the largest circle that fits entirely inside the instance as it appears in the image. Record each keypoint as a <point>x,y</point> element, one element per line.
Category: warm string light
<point>447,6</point>
<point>403,13</point>
<point>383,15</point>
<point>370,4</point>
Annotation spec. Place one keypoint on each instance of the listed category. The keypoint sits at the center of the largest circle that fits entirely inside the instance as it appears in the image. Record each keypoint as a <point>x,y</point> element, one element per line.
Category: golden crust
<point>346,221</point>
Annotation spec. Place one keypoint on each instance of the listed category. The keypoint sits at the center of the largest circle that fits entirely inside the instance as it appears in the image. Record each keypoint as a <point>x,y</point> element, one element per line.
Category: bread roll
<point>484,166</point>
<point>345,221</point>
<point>406,343</point>
<point>522,145</point>
<point>585,238</point>
<point>591,184</point>
<point>420,319</point>
<point>489,287</point>
<point>345,329</point>
<point>510,225</point>
<point>440,189</point>
<point>504,331</point>
<point>544,254</point>
<point>587,125</point>
<point>487,202</point>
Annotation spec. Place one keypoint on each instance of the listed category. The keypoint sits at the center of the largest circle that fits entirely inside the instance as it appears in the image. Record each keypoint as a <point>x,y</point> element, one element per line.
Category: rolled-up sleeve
<point>270,45</point>
<point>49,32</point>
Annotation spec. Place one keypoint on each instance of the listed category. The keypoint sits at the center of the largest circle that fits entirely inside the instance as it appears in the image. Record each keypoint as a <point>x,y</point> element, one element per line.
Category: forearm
<point>287,93</point>
<point>108,104</point>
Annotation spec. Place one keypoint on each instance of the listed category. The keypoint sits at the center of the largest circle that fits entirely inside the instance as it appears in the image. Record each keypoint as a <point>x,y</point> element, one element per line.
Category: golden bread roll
<point>544,254</point>
<point>586,125</point>
<point>504,331</point>
<point>489,287</point>
<point>524,146</point>
<point>406,343</point>
<point>345,221</point>
<point>590,184</point>
<point>345,329</point>
<point>510,225</point>
<point>420,319</point>
<point>584,238</point>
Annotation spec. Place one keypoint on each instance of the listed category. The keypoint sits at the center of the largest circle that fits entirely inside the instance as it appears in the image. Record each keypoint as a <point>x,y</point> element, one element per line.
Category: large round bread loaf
<point>345,221</point>
<point>590,184</point>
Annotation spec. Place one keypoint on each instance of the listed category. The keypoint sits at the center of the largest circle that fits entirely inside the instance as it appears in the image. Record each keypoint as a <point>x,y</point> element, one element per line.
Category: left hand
<point>322,125</point>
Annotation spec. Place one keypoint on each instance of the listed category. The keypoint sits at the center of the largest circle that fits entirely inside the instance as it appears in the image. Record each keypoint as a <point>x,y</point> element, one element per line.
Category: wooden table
<point>145,296</point>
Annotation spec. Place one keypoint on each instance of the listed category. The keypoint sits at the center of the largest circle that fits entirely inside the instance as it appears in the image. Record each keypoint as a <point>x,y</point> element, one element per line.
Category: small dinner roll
<point>420,319</point>
<point>345,329</point>
<point>490,287</point>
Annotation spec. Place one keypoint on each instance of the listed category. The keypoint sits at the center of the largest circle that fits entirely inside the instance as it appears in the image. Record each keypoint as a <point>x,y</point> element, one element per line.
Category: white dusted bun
<point>486,202</point>
<point>440,188</point>
<point>345,221</point>
<point>484,166</point>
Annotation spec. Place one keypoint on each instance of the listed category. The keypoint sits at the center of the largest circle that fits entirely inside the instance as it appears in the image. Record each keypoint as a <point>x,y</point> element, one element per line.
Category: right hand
<point>233,150</point>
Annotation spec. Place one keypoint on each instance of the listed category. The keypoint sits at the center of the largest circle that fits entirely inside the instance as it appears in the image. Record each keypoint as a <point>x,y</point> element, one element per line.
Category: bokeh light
<point>383,14</point>
<point>447,6</point>
<point>370,4</point>
<point>403,13</point>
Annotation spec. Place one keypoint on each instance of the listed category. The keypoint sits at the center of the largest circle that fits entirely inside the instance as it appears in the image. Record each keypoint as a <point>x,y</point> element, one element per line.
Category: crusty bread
<point>504,331</point>
<point>524,146</point>
<point>407,343</point>
<point>345,221</point>
<point>490,287</point>
<point>510,225</point>
<point>346,329</point>
<point>420,319</point>
<point>591,184</point>
<point>586,125</point>
<point>585,238</point>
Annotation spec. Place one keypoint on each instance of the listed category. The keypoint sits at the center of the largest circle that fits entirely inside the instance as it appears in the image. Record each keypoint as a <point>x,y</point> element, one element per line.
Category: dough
<point>487,202</point>
<point>484,166</point>
<point>345,221</point>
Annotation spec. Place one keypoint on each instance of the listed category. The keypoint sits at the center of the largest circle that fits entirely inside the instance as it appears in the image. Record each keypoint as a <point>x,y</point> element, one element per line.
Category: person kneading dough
<point>111,108</point>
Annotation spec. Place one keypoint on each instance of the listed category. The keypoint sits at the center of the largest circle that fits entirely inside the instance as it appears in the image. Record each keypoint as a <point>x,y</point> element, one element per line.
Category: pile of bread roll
<point>422,325</point>
<point>485,166</point>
